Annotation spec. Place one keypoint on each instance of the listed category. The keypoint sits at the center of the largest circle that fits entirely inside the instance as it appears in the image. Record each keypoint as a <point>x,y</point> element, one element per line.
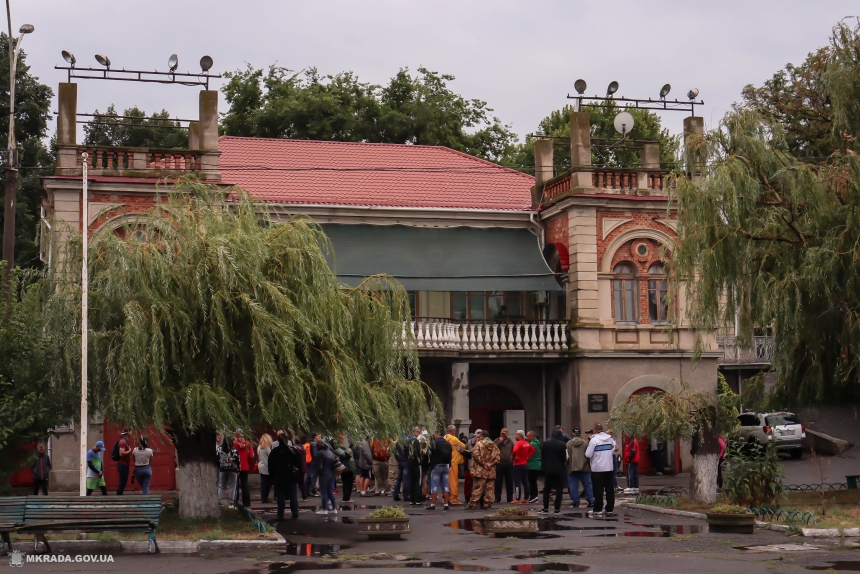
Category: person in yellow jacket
<point>456,460</point>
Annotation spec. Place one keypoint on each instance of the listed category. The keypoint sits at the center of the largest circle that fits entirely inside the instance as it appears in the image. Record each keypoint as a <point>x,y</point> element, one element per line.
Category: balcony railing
<point>101,159</point>
<point>760,353</point>
<point>622,181</point>
<point>449,334</point>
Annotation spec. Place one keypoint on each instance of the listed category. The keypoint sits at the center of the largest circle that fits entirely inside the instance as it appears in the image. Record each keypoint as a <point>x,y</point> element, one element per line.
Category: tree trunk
<point>703,478</point>
<point>198,491</point>
<point>706,460</point>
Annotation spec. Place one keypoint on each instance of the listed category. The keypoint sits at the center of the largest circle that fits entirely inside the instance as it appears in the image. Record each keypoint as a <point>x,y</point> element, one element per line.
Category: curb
<point>660,510</point>
<point>831,532</point>
<point>771,526</point>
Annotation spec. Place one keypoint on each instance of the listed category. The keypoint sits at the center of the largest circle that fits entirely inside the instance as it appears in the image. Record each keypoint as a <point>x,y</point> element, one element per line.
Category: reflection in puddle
<point>674,528</point>
<point>294,549</point>
<point>544,525</point>
<point>839,565</point>
<point>542,553</point>
<point>549,567</point>
<point>288,568</point>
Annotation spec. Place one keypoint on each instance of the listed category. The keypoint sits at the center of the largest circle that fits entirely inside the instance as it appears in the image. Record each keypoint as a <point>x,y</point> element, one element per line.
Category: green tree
<point>683,414</point>
<point>29,403</point>
<point>419,109</point>
<point>773,239</point>
<point>32,101</point>
<point>128,131</point>
<point>647,127</point>
<point>204,316</point>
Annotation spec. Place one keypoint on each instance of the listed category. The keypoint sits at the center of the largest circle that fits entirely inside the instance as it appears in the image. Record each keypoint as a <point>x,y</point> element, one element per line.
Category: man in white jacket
<point>601,450</point>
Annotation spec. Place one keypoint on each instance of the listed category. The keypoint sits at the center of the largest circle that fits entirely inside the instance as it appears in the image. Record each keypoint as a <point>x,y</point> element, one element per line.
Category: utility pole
<point>85,285</point>
<point>11,150</point>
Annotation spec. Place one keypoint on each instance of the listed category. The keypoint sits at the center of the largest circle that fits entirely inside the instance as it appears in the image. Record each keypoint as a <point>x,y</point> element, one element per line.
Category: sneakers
<point>590,505</point>
<point>533,500</point>
<point>333,511</point>
<point>556,512</point>
<point>322,512</point>
<point>627,491</point>
<point>543,511</point>
<point>445,507</point>
<point>609,514</point>
<point>397,499</point>
<point>430,507</point>
<point>592,514</point>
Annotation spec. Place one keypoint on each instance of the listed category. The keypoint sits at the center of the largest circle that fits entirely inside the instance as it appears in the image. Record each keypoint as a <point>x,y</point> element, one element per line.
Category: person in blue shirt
<point>95,469</point>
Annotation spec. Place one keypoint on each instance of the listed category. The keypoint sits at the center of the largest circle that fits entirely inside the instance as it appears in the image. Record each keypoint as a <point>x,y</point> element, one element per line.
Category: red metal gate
<point>163,461</point>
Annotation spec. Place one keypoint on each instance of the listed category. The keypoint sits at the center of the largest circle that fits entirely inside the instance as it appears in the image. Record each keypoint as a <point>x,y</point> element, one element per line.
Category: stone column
<point>67,104</point>
<point>580,149</point>
<point>193,135</point>
<point>649,159</point>
<point>208,136</point>
<point>460,397</point>
<point>543,169</point>
<point>693,126</point>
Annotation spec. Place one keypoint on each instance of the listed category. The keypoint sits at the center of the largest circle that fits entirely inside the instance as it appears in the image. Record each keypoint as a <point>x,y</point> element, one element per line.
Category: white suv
<point>783,429</point>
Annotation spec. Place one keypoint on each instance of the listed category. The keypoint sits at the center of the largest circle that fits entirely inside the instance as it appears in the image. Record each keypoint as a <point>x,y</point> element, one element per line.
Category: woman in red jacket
<point>631,457</point>
<point>246,455</point>
<point>522,452</point>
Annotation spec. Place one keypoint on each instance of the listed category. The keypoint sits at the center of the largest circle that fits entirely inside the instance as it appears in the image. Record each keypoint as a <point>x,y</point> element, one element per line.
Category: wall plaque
<point>598,403</point>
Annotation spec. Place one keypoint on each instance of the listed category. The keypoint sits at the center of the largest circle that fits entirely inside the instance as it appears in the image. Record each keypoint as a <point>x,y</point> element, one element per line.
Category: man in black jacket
<point>285,470</point>
<point>554,455</point>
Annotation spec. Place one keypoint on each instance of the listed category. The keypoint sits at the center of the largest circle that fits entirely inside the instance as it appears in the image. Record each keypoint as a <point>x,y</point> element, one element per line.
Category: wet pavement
<point>632,541</point>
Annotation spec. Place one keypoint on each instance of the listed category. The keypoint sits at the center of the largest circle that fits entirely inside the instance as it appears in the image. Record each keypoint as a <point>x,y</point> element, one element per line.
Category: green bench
<point>91,514</point>
<point>11,518</point>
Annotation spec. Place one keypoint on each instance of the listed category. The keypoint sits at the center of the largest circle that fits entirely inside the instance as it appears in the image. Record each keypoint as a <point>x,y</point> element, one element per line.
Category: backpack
<point>114,453</point>
<point>309,457</point>
<point>444,450</point>
<point>379,450</point>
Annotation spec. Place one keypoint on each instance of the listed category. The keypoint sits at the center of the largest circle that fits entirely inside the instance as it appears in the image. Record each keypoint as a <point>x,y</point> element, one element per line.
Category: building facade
<point>536,301</point>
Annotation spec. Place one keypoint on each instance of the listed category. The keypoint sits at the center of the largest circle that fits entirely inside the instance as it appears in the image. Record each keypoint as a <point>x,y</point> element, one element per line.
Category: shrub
<point>753,477</point>
<point>387,512</point>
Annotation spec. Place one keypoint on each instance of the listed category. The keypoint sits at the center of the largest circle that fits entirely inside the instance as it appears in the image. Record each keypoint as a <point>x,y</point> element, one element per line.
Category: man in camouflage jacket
<point>485,457</point>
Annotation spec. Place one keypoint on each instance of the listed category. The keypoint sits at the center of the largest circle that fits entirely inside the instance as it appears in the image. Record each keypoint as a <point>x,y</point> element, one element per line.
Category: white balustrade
<point>447,334</point>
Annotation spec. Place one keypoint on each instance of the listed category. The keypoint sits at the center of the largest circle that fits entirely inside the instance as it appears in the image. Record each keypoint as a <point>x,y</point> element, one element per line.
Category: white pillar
<point>460,397</point>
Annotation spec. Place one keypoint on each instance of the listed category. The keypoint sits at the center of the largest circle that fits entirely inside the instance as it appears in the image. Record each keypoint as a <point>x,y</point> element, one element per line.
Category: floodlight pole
<point>84,327</point>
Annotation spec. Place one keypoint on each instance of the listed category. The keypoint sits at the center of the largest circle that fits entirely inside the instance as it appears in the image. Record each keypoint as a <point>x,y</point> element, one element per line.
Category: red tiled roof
<point>391,175</point>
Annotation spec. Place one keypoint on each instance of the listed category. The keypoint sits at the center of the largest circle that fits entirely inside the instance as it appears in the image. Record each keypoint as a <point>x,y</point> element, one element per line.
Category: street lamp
<point>11,160</point>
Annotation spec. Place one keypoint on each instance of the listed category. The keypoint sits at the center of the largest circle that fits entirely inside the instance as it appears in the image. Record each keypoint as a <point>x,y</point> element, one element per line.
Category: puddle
<point>289,568</point>
<point>549,567</point>
<point>544,525</point>
<point>542,553</point>
<point>642,533</point>
<point>312,550</point>
<point>779,548</point>
<point>839,565</point>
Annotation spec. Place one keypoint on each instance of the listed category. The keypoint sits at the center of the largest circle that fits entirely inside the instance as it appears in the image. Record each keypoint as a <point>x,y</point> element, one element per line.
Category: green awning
<point>442,259</point>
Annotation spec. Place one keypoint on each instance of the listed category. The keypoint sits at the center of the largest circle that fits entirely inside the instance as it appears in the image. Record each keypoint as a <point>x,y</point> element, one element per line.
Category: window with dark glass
<point>459,305</point>
<point>413,302</point>
<point>658,286</point>
<point>625,293</point>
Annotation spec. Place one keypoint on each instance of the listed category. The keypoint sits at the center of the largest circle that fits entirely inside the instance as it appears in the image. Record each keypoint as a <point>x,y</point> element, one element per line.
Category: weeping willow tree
<point>774,240</point>
<point>681,413</point>
<point>204,314</point>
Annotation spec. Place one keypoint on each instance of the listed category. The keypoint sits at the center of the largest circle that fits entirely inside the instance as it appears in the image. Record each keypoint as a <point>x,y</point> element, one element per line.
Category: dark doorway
<point>487,406</point>
<point>557,404</point>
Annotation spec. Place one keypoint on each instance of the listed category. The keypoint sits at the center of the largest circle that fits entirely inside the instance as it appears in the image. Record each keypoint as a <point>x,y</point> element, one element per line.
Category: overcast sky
<point>521,57</point>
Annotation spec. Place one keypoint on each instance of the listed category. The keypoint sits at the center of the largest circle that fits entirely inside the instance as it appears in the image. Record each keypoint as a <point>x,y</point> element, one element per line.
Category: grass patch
<point>230,526</point>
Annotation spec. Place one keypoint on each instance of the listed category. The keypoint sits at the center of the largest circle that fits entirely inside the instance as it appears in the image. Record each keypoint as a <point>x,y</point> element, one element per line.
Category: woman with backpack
<point>284,464</point>
<point>345,453</point>
<point>327,468</point>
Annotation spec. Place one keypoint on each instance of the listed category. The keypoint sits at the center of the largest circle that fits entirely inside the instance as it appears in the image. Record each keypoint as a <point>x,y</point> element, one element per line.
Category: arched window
<point>658,287</point>
<point>626,292</point>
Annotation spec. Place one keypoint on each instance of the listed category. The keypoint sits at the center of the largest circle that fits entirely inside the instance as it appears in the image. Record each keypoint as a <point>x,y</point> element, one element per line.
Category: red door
<point>163,461</point>
<point>23,477</point>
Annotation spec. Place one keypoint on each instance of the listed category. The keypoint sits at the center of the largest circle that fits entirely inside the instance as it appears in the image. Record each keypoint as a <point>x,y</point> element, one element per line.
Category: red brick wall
<point>129,204</point>
<point>557,230</point>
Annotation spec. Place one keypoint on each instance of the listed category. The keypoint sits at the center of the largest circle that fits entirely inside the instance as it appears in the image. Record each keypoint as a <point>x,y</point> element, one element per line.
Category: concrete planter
<point>731,523</point>
<point>495,524</point>
<point>384,528</point>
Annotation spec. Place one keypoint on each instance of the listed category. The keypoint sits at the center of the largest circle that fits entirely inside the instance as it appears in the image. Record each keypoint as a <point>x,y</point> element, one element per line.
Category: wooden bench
<point>11,518</point>
<point>92,514</point>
